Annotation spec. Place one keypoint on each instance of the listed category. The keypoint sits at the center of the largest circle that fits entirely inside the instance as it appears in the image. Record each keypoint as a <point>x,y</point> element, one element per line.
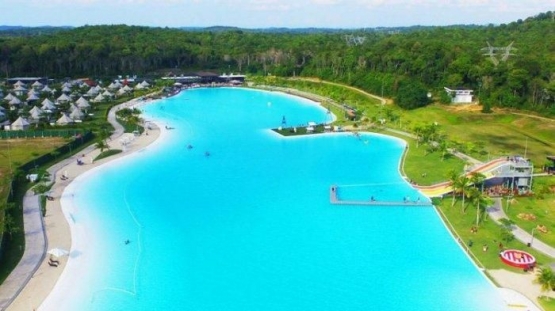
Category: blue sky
<point>268,13</point>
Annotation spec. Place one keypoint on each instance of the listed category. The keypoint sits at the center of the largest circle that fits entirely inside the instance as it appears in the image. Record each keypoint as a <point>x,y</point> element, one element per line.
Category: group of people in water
<point>206,153</point>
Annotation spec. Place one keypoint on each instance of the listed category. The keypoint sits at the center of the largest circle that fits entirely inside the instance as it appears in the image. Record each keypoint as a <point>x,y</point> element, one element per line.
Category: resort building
<point>513,177</point>
<point>459,96</point>
<point>205,77</point>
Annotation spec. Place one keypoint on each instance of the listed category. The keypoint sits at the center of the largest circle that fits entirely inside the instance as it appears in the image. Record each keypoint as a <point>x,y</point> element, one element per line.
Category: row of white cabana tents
<point>23,124</point>
<point>49,106</point>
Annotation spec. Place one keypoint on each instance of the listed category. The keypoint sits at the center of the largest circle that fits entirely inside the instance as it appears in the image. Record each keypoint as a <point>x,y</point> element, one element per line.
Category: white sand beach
<point>56,225</point>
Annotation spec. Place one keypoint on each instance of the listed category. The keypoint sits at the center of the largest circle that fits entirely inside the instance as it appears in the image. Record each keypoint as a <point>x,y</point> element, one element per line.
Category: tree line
<point>420,58</point>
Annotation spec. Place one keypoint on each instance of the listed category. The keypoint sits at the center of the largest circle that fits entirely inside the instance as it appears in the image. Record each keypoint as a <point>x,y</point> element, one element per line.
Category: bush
<point>412,95</point>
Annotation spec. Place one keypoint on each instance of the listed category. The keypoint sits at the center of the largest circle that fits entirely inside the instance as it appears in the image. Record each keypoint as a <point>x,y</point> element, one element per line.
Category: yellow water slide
<point>440,189</point>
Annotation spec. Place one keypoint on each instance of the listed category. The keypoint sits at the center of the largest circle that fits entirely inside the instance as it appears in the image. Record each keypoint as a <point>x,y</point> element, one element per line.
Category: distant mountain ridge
<point>23,31</point>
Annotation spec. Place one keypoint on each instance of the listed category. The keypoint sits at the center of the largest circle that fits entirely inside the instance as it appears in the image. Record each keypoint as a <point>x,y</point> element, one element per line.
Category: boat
<point>517,258</point>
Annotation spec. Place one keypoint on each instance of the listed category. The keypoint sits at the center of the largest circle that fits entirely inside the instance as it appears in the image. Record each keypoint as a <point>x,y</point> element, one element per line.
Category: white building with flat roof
<point>460,96</point>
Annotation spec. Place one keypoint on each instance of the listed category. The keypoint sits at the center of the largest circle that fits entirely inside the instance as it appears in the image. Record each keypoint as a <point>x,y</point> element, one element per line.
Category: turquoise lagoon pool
<point>251,227</point>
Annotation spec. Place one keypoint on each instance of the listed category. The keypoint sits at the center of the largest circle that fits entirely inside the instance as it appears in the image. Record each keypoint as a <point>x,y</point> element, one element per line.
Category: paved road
<point>35,240</point>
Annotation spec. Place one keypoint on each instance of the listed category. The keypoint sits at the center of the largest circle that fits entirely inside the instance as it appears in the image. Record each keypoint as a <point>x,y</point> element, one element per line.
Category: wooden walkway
<point>335,200</point>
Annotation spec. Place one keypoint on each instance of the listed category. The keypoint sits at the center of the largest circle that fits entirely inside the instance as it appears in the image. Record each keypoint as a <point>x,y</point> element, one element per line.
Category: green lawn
<point>531,212</point>
<point>489,233</point>
<point>14,152</point>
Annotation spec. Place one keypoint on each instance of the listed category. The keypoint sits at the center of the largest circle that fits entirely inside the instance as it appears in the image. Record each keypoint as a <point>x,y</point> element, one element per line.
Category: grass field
<point>489,233</point>
<point>14,152</point>
<point>530,212</point>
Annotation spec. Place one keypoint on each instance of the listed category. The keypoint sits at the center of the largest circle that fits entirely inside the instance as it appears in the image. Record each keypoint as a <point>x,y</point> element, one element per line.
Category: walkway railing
<point>335,200</point>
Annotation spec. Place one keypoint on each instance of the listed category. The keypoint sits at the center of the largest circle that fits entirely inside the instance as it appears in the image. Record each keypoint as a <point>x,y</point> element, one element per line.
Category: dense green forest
<point>379,61</point>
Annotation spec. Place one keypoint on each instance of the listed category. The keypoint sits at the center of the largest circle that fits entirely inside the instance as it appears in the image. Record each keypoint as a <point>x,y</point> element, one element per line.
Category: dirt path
<point>381,99</point>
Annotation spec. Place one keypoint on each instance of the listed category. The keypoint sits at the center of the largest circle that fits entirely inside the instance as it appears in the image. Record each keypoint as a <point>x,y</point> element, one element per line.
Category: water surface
<point>251,227</point>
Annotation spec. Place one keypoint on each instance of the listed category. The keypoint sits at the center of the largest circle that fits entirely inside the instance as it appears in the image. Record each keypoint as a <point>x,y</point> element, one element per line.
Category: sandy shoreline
<point>56,226</point>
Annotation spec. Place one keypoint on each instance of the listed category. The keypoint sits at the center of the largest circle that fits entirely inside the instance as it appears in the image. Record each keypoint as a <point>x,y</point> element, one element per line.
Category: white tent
<point>48,104</point>
<point>9,97</point>
<point>32,97</point>
<point>92,92</point>
<point>36,85</point>
<point>20,124</point>
<point>73,107</point>
<point>64,120</point>
<point>18,83</point>
<point>19,90</point>
<point>139,87</point>
<point>63,98</point>
<point>36,113</point>
<point>82,101</point>
<point>127,88</point>
<point>98,98</point>
<point>15,102</point>
<point>33,92</point>
<point>66,89</point>
<point>114,86</point>
<point>77,114</point>
<point>121,91</point>
<point>66,84</point>
<point>46,89</point>
<point>97,88</point>
<point>107,94</point>
<point>84,105</point>
<point>145,84</point>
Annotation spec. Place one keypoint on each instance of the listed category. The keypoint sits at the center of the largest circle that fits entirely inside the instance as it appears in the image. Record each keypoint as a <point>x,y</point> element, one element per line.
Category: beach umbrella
<point>58,252</point>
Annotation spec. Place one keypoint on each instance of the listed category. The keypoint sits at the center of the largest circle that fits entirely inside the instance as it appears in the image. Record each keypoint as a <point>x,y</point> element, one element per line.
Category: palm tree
<point>479,200</point>
<point>454,180</point>
<point>464,184</point>
<point>477,178</point>
<point>102,145</point>
<point>545,278</point>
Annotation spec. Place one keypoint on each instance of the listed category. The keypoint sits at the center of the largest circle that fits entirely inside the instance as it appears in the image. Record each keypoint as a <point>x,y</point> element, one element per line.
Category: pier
<point>335,200</point>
